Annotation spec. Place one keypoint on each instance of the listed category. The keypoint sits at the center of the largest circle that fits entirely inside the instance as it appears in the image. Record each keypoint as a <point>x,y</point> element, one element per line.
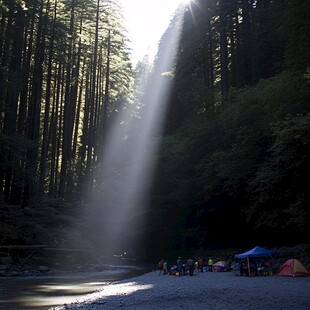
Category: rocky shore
<point>206,290</point>
<point>54,263</point>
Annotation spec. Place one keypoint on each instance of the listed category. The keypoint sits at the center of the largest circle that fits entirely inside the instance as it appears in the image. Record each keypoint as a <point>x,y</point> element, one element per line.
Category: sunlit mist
<point>116,214</point>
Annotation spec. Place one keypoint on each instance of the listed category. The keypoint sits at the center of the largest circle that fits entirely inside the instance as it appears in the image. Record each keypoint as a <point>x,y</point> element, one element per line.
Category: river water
<point>44,292</point>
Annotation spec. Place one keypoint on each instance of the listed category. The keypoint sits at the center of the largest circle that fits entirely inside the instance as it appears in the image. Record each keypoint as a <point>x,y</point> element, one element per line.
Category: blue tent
<point>255,252</point>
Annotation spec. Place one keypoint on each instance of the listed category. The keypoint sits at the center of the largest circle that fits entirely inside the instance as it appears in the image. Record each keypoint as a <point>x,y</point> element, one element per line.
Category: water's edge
<point>43,292</point>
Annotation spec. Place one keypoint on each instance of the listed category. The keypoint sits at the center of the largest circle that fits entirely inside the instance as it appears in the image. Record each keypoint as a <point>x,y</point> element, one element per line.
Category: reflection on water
<point>44,292</point>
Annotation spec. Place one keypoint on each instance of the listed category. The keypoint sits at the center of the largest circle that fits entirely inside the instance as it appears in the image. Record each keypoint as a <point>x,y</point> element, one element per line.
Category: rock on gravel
<point>207,290</point>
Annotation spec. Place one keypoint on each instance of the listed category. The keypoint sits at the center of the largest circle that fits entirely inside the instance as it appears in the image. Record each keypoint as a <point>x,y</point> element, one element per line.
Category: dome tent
<point>293,267</point>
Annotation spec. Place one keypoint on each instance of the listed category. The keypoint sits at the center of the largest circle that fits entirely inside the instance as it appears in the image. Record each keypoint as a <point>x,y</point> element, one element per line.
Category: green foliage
<point>281,182</point>
<point>239,162</point>
<point>47,221</point>
<point>245,167</point>
<point>271,41</point>
<point>296,27</point>
<point>9,234</point>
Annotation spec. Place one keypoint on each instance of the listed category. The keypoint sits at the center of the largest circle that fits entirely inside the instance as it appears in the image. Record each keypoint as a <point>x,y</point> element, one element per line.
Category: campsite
<point>260,261</point>
<point>293,267</point>
<point>257,261</point>
<point>200,149</point>
<point>73,282</point>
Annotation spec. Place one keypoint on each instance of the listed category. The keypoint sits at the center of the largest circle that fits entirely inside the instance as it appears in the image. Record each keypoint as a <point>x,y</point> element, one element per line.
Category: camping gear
<point>293,267</point>
<point>255,252</point>
<point>219,266</point>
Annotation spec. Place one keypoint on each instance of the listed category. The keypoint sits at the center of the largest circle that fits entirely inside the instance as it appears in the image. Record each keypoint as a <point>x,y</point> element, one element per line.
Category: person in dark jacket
<point>191,266</point>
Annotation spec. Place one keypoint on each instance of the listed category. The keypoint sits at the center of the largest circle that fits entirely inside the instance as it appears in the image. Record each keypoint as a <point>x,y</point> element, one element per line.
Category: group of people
<point>252,267</point>
<point>184,267</point>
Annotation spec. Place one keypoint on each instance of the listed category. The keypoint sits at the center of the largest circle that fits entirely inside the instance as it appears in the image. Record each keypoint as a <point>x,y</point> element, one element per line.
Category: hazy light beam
<point>118,212</point>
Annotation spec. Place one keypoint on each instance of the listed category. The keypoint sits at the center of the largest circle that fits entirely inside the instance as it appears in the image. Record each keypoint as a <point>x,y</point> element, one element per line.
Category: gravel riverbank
<point>207,290</point>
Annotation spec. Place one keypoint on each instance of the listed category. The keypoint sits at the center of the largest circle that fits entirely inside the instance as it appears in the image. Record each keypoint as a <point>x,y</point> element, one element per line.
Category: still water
<point>41,293</point>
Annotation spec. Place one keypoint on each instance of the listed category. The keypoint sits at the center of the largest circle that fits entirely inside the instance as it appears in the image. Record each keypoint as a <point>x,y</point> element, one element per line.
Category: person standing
<point>200,264</point>
<point>191,266</point>
<point>161,266</point>
<point>210,263</point>
<point>179,265</point>
<point>184,268</point>
<point>165,267</point>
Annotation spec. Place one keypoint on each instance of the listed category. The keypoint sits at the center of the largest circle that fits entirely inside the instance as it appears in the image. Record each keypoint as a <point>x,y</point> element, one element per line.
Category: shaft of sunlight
<point>118,213</point>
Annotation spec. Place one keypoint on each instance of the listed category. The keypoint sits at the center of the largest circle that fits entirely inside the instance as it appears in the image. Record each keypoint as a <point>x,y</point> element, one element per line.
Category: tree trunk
<point>91,137</point>
<point>44,148</point>
<point>14,85</point>
<point>67,138</point>
<point>106,96</point>
<point>223,51</point>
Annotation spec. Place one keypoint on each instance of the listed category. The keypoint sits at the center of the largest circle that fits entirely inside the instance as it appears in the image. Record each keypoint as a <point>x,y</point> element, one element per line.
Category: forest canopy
<point>234,157</point>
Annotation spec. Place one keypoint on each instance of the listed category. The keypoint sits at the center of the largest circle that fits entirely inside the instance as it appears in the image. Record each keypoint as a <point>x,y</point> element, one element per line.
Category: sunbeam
<point>115,215</point>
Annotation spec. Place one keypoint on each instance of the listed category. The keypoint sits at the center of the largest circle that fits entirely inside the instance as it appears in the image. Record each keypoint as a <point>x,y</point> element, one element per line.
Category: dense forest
<point>232,169</point>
